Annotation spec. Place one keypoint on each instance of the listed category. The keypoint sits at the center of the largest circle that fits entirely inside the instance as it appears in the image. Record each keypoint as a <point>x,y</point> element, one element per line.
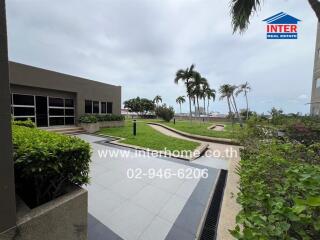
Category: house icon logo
<point>282,26</point>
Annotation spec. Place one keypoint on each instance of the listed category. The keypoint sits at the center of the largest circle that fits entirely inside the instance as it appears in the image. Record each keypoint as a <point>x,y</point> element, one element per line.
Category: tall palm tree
<point>211,94</point>
<point>244,88</point>
<point>196,84</point>
<point>180,100</point>
<point>157,99</point>
<point>225,92</point>
<point>232,91</point>
<point>185,76</point>
<point>203,94</point>
<point>242,10</point>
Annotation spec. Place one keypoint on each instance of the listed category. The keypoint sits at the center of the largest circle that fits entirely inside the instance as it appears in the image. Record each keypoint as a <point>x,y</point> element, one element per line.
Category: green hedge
<point>46,162</point>
<point>279,186</point>
<point>27,123</point>
<point>88,118</point>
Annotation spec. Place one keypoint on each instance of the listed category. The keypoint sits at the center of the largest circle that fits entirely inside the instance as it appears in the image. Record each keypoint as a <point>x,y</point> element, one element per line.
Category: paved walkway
<point>144,207</point>
<point>229,207</point>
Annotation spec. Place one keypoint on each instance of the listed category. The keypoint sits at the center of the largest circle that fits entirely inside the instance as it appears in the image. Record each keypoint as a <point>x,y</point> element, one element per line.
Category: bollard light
<point>134,127</point>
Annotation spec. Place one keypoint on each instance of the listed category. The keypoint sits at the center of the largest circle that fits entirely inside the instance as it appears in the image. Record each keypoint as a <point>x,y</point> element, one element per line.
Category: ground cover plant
<point>148,137</point>
<point>46,163</point>
<point>279,179</point>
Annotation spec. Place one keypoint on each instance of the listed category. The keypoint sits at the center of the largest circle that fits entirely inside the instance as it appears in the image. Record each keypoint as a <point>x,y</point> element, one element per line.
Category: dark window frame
<point>85,106</point>
<point>109,106</point>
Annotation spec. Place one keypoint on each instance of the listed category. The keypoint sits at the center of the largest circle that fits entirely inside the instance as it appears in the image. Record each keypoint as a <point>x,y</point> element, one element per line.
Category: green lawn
<point>147,137</point>
<point>201,128</point>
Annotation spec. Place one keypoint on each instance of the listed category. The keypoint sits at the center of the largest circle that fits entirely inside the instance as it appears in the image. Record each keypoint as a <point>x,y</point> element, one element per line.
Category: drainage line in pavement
<point>209,231</point>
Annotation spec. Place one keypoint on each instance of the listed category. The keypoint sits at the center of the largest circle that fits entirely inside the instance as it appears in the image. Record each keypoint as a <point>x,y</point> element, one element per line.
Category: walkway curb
<point>198,137</point>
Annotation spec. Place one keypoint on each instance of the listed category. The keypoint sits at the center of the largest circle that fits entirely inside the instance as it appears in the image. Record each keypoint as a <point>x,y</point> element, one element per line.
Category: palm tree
<point>186,76</point>
<point>203,94</point>
<point>157,100</point>
<point>196,85</point>
<point>180,100</point>
<point>211,94</point>
<point>225,92</point>
<point>244,88</point>
<point>232,91</point>
<point>242,10</point>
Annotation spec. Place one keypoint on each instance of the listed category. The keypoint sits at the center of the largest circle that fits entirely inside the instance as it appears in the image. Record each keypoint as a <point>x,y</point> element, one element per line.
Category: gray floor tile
<point>172,208</point>
<point>152,198</point>
<point>157,230</point>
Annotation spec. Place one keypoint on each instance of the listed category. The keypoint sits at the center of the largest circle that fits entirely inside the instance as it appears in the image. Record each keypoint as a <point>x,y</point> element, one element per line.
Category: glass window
<point>19,99</point>
<point>95,107</point>
<point>56,112</point>
<point>69,120</point>
<point>69,112</point>
<point>23,111</point>
<point>88,106</point>
<point>103,107</point>
<point>56,121</point>
<point>69,102</point>
<point>318,83</point>
<point>56,102</point>
<point>109,107</point>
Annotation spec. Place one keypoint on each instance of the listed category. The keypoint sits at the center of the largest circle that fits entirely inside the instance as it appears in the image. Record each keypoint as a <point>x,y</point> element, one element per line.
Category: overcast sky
<point>140,44</point>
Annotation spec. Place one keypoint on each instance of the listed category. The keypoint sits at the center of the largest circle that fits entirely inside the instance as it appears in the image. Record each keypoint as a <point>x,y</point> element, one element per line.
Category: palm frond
<point>241,11</point>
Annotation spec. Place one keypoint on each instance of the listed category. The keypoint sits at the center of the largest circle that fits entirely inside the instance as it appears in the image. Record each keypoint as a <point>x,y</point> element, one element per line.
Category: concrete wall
<point>23,75</point>
<point>62,218</point>
<point>315,94</point>
<point>7,188</point>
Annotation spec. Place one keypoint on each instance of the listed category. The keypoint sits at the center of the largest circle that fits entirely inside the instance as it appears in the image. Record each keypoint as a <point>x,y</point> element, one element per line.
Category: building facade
<point>50,98</point>
<point>315,94</point>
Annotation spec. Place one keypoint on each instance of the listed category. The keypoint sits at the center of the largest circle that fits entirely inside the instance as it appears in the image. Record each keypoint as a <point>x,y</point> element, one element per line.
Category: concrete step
<point>67,130</point>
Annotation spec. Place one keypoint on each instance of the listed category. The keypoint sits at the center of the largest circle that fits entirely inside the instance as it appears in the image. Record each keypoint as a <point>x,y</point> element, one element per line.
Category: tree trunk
<point>180,108</point>
<point>315,5</point>
<point>245,94</point>
<point>198,106</point>
<point>230,112</point>
<point>208,106</point>
<point>204,105</point>
<point>235,105</point>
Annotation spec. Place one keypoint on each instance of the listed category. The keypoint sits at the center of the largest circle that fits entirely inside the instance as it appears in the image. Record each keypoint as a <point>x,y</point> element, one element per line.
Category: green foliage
<point>27,123</point>
<point>165,113</point>
<point>109,117</point>
<point>142,106</point>
<point>89,118</point>
<point>279,182</point>
<point>46,162</point>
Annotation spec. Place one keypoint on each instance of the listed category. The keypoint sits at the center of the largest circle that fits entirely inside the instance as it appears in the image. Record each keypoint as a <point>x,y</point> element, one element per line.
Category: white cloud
<point>140,44</point>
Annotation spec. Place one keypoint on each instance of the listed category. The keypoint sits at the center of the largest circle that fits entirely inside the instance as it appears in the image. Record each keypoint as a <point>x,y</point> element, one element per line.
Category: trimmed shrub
<point>46,163</point>
<point>100,118</point>
<point>27,123</point>
<point>88,119</point>
<point>165,113</point>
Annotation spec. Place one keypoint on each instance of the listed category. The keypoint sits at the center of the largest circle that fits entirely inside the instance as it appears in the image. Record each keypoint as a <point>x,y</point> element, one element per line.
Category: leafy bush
<point>100,118</point>
<point>109,117</point>
<point>88,119</point>
<point>27,123</point>
<point>279,180</point>
<point>46,162</point>
<point>164,112</point>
